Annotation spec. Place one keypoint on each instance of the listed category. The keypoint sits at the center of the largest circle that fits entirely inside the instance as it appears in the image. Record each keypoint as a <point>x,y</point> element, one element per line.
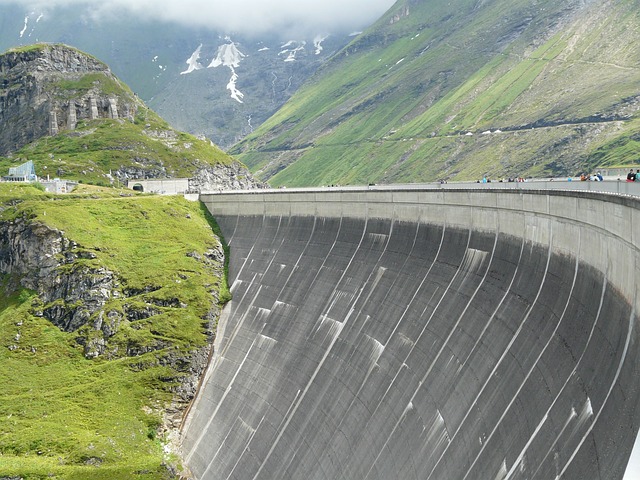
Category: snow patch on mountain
<point>231,86</point>
<point>193,63</point>
<point>26,23</point>
<point>317,43</point>
<point>290,49</point>
<point>229,55</point>
<point>161,67</point>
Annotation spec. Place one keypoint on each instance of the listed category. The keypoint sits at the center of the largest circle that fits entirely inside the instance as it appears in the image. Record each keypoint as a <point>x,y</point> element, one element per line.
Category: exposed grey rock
<point>33,254</point>
<point>223,177</point>
<point>29,110</point>
<point>146,170</point>
<point>74,296</point>
<point>29,251</point>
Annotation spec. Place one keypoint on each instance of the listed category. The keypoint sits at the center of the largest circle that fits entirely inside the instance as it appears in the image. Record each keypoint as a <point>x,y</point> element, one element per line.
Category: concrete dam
<point>458,334</point>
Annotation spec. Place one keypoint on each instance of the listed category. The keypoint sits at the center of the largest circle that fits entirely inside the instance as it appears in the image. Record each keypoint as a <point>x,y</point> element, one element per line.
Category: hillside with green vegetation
<point>109,299</point>
<point>150,55</point>
<point>66,111</point>
<point>105,151</point>
<point>462,89</point>
<point>67,412</point>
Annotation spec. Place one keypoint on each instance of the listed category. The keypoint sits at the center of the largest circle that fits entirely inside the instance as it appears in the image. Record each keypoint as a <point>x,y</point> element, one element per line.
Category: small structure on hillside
<point>22,173</point>
<point>162,186</point>
<point>58,185</point>
<point>27,173</point>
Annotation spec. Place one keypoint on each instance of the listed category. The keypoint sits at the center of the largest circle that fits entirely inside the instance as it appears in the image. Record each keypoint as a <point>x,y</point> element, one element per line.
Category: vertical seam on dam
<point>317,369</point>
<point>444,344</point>
<point>564,386</point>
<point>531,369</point>
<point>612,385</point>
<point>500,360</point>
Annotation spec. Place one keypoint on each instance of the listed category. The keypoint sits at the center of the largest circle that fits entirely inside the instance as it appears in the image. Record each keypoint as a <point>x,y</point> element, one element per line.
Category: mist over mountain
<point>227,86</point>
<point>150,51</point>
<point>290,18</point>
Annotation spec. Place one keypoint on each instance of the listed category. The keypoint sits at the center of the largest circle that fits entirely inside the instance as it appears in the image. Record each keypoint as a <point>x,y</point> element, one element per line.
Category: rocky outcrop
<point>55,89</point>
<point>46,88</point>
<point>42,259</point>
<point>30,252</point>
<point>223,177</point>
<point>76,294</point>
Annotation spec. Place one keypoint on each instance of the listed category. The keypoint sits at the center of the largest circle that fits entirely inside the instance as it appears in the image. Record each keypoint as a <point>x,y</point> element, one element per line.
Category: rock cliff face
<point>49,88</point>
<point>30,252</point>
<point>70,293</point>
<point>223,177</point>
<point>77,297</point>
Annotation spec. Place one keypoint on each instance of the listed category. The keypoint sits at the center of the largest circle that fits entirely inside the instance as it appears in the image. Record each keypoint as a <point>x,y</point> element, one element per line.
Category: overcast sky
<point>244,16</point>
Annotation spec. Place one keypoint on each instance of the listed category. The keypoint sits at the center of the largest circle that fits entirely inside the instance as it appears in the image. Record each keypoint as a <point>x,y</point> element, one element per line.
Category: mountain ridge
<point>67,112</point>
<point>150,55</point>
<point>460,91</point>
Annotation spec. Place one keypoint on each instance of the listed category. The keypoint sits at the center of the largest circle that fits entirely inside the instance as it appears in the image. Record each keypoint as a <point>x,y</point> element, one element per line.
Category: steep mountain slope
<point>108,307</point>
<point>240,83</point>
<point>461,89</point>
<point>68,113</point>
<point>151,57</point>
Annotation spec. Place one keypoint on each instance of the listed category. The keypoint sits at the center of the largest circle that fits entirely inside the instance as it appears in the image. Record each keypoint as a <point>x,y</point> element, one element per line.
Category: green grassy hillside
<point>462,89</point>
<point>96,148</point>
<point>68,417</point>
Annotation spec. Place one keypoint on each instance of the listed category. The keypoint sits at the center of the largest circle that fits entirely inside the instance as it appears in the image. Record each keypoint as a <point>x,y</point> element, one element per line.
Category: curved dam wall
<point>443,334</point>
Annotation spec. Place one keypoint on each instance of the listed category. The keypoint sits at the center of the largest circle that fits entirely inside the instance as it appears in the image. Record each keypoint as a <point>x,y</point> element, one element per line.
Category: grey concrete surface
<point>166,186</point>
<point>423,334</point>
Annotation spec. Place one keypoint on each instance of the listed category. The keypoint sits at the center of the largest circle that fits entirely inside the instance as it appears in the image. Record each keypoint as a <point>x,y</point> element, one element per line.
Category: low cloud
<point>241,16</point>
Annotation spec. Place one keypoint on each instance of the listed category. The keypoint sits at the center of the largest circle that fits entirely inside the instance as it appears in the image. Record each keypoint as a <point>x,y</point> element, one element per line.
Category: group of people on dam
<point>633,177</point>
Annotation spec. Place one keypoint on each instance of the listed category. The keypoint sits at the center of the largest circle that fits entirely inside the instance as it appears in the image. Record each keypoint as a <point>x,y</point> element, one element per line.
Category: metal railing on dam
<point>481,332</point>
<point>612,186</point>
